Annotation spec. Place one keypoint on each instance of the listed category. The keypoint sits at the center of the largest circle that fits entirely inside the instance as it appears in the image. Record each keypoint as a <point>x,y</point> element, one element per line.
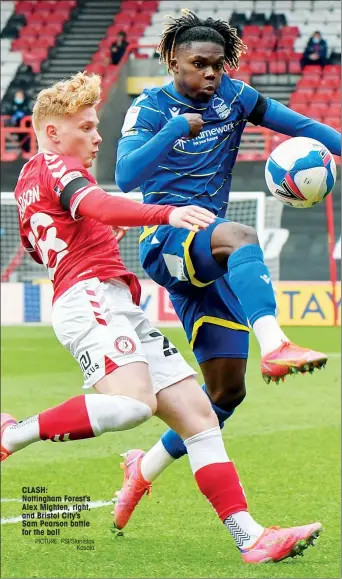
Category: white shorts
<point>103,329</point>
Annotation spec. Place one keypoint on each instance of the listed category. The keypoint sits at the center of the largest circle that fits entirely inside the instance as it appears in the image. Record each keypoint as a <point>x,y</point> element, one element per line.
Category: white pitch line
<point>12,520</point>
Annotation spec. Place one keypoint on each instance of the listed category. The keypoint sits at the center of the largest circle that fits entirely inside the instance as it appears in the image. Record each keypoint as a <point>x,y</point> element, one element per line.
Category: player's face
<point>79,137</point>
<point>198,68</point>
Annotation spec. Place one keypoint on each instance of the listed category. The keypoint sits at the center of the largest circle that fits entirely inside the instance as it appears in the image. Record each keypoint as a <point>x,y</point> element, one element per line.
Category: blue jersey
<point>196,171</point>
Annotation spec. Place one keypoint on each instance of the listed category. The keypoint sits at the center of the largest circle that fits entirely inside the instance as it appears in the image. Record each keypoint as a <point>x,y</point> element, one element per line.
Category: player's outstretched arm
<point>281,119</point>
<point>138,157</point>
<point>118,211</point>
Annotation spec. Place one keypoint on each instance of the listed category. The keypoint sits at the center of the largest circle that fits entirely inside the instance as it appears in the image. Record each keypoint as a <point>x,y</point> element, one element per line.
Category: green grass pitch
<point>284,439</point>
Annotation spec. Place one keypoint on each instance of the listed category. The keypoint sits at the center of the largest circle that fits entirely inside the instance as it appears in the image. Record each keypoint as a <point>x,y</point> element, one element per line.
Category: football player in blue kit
<point>179,145</point>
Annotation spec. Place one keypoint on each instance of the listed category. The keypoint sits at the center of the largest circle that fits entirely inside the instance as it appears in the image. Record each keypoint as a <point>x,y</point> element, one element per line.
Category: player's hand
<point>120,232</point>
<point>196,124</point>
<point>191,217</point>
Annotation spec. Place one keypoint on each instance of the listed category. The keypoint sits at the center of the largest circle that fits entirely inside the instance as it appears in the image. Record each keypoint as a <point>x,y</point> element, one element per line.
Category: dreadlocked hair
<point>189,28</point>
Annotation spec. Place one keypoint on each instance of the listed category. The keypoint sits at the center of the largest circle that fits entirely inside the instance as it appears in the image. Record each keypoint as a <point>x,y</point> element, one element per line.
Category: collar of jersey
<point>170,90</point>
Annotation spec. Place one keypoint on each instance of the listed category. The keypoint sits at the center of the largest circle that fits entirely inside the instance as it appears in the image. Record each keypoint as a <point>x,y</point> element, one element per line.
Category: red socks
<point>220,483</point>
<point>68,421</point>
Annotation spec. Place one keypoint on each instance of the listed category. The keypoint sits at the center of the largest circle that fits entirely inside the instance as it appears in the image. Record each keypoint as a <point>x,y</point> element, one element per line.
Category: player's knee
<point>227,393</point>
<point>227,237</point>
<point>243,235</point>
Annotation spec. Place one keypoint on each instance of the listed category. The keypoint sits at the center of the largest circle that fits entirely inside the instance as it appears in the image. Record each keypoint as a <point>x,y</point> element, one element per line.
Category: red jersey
<point>73,248</point>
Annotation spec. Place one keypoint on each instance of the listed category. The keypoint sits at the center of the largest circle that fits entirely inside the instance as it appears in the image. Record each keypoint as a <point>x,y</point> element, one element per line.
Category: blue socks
<point>250,280</point>
<point>173,443</point>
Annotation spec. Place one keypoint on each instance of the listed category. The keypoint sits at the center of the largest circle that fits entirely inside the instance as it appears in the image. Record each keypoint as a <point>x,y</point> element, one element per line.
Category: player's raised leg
<point>235,248</point>
<point>185,408</point>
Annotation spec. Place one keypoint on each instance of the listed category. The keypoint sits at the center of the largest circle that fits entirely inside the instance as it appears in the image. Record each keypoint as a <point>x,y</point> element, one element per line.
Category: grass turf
<point>284,439</point>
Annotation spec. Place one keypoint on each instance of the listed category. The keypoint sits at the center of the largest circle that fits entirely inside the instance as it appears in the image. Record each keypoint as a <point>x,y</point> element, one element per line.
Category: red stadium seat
<point>143,17</point>
<point>96,67</point>
<point>39,16</point>
<point>130,6</point>
<point>125,17</point>
<point>59,16</point>
<point>335,110</point>
<point>337,96</point>
<point>35,58</point>
<point>307,81</point>
<point>260,54</point>
<point>244,67</point>
<point>251,30</point>
<point>150,6</point>
<point>286,42</point>
<point>28,31</point>
<point>101,55</point>
<point>45,5</point>
<point>44,42</point>
<point>114,29</point>
<point>295,56</point>
<point>332,70</point>
<point>244,76</point>
<point>65,5</point>
<point>24,43</point>
<point>51,29</point>
<point>25,7</point>
<point>301,97</point>
<point>106,43</point>
<point>330,81</point>
<point>324,94</point>
<point>319,109</point>
<point>294,67</point>
<point>251,40</point>
<point>267,42</point>
<point>137,30</point>
<point>278,67</point>
<point>258,66</point>
<point>312,70</point>
<point>290,31</point>
<point>267,30</point>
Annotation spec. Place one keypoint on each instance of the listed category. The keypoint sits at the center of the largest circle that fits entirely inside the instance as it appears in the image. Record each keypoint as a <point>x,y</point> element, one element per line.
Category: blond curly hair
<point>67,97</point>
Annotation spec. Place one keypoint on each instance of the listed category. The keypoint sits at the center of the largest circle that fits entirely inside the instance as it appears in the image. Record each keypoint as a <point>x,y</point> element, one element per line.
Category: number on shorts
<point>168,348</point>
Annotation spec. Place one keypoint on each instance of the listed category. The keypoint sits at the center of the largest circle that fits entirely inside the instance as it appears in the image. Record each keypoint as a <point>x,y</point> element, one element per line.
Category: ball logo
<point>125,345</point>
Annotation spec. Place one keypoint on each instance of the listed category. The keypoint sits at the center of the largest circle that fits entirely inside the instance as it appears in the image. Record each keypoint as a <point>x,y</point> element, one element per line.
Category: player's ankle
<point>269,334</point>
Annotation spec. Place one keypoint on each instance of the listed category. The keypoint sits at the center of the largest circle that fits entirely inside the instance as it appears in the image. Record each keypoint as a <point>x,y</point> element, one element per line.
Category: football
<point>300,172</point>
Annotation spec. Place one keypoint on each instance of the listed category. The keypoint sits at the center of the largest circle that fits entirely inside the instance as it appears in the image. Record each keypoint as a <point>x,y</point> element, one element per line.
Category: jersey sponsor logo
<point>87,367</point>
<point>125,345</point>
<point>180,144</point>
<point>220,107</point>
<point>206,136</point>
<point>174,111</point>
<point>70,177</point>
<point>130,119</point>
<point>27,198</point>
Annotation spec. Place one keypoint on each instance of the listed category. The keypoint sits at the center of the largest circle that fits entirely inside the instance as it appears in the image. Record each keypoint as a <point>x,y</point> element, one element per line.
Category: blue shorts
<point>182,262</point>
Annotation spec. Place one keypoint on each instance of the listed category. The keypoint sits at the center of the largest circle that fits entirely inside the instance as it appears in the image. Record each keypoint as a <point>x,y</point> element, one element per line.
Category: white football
<point>300,172</point>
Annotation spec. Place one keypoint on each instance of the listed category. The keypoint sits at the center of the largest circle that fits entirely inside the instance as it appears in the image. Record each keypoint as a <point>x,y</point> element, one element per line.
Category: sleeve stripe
<point>79,195</point>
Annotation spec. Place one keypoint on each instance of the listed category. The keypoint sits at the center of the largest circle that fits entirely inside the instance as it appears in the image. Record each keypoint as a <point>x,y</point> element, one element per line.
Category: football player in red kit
<point>66,223</point>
